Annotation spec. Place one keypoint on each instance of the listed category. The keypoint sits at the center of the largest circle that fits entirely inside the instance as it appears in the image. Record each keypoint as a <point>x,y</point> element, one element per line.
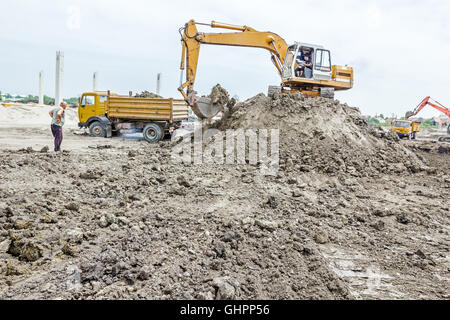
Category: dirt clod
<point>226,288</point>
<point>321,237</point>
<point>147,94</point>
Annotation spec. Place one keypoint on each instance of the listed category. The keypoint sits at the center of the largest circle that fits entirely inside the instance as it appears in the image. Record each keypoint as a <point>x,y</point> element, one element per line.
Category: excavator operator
<point>305,66</point>
<point>308,67</point>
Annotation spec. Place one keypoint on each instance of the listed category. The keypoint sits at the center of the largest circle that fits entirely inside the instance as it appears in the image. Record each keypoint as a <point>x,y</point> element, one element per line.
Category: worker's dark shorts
<point>298,71</point>
<point>57,134</point>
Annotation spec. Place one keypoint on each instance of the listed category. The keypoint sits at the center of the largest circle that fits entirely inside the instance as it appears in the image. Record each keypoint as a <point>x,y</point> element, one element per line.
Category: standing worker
<point>307,67</point>
<point>58,116</point>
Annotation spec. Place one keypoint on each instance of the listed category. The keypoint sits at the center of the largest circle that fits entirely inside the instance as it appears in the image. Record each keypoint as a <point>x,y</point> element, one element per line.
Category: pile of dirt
<point>433,150</point>
<point>126,223</point>
<point>322,135</point>
<point>147,94</point>
<point>429,146</point>
<point>344,218</point>
<point>444,149</point>
<point>219,95</point>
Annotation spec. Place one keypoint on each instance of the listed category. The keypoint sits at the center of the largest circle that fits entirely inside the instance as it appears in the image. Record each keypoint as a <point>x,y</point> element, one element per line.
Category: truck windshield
<point>403,124</point>
<point>88,101</point>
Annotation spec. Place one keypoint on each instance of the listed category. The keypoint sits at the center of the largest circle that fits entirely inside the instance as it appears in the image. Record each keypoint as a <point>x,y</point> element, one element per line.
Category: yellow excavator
<point>302,67</point>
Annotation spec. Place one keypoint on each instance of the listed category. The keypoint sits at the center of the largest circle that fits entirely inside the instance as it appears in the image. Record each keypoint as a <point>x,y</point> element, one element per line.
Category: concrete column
<point>158,83</point>
<point>41,87</point>
<point>59,77</point>
<point>95,78</point>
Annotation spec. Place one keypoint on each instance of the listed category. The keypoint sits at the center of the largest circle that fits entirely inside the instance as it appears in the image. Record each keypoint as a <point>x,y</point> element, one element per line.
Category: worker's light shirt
<point>55,116</point>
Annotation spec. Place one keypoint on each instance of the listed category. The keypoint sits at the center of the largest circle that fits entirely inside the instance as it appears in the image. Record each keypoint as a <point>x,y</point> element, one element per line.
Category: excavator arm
<point>191,40</point>
<point>435,105</point>
<point>245,36</point>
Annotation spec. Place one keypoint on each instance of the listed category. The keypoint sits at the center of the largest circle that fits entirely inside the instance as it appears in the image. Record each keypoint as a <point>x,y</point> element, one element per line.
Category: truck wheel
<point>152,132</point>
<point>97,130</point>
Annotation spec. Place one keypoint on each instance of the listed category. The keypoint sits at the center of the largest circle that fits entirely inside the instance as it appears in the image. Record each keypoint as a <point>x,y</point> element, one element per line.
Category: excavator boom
<point>436,105</point>
<point>424,103</point>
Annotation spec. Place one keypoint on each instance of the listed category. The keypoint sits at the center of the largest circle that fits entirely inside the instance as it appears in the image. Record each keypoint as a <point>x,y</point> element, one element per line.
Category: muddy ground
<point>115,219</point>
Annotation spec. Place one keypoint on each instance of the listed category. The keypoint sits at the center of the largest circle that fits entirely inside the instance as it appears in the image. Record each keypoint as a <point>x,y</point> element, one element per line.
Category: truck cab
<point>406,128</point>
<point>92,104</point>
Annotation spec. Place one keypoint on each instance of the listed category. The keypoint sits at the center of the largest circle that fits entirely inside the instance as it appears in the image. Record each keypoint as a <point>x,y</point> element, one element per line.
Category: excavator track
<point>327,93</point>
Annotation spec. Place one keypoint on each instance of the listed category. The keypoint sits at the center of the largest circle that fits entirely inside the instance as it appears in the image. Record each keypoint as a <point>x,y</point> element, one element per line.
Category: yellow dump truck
<point>105,113</point>
<point>406,128</point>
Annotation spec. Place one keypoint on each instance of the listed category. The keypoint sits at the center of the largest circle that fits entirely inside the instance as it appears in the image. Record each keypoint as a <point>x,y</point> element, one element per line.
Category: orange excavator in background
<point>435,104</point>
<point>302,67</point>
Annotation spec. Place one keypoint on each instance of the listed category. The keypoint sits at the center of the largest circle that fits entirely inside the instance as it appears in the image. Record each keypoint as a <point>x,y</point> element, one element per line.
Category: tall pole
<point>158,83</point>
<point>59,77</point>
<point>95,78</point>
<point>41,87</point>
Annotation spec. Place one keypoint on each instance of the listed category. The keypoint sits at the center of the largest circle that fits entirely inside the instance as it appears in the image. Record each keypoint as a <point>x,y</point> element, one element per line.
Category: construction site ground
<point>115,219</point>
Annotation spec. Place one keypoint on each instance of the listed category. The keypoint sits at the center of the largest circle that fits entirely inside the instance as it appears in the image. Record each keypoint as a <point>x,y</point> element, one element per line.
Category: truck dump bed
<point>415,126</point>
<point>124,107</point>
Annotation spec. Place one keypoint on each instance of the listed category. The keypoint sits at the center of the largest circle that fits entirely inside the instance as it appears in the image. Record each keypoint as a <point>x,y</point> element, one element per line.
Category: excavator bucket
<point>203,107</point>
<point>409,114</point>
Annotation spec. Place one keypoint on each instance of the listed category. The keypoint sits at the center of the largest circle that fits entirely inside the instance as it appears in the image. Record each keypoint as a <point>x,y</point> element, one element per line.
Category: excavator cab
<point>294,63</point>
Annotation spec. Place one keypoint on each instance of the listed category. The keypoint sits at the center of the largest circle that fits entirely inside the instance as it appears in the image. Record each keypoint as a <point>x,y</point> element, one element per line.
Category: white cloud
<point>374,19</point>
<point>73,19</point>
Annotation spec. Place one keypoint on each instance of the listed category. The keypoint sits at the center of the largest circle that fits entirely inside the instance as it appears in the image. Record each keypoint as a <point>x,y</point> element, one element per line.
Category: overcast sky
<point>400,50</point>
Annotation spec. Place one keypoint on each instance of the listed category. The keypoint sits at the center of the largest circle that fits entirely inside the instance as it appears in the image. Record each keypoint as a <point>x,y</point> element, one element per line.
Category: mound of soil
<point>322,135</point>
<point>219,95</point>
<point>147,94</point>
<point>344,218</point>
